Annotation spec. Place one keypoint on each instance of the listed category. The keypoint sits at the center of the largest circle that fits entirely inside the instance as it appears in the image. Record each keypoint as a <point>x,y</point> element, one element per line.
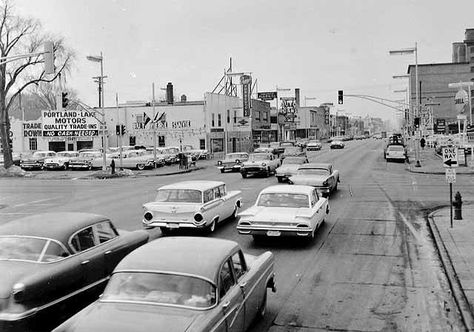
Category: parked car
<point>284,211</point>
<point>84,160</point>
<point>191,204</point>
<point>396,152</point>
<point>260,164</point>
<point>61,161</point>
<point>336,144</point>
<point>51,258</point>
<point>191,284</point>
<point>16,158</point>
<point>303,142</point>
<point>196,154</point>
<point>136,159</point>
<point>287,143</point>
<point>36,160</point>
<point>289,166</point>
<point>232,161</point>
<point>314,146</point>
<point>322,176</point>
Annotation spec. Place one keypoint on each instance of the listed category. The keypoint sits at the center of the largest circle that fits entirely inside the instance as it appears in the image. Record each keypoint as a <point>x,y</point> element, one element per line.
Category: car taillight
<point>148,216</point>
<point>264,164</point>
<point>198,217</point>
<point>237,161</point>
<point>219,162</point>
<point>18,292</point>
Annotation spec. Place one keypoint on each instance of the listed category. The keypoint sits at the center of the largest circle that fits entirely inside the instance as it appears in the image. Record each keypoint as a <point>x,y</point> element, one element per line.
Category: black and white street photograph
<point>236,166</point>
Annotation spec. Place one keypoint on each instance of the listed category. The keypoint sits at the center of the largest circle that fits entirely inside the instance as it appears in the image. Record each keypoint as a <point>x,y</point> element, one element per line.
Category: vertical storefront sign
<point>246,81</point>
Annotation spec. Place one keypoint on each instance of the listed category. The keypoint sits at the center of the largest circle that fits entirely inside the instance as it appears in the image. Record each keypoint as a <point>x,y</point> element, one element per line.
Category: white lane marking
<point>34,202</point>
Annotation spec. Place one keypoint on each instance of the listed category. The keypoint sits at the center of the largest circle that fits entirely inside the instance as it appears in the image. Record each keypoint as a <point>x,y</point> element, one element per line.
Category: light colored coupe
<point>178,284</point>
<point>137,159</point>
<point>232,161</point>
<point>260,164</point>
<point>61,160</point>
<point>191,204</point>
<point>314,146</point>
<point>283,210</point>
<point>289,167</point>
<point>322,176</point>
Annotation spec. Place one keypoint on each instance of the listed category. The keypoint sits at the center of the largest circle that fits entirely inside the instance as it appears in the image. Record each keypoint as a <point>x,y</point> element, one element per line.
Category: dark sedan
<point>50,258</point>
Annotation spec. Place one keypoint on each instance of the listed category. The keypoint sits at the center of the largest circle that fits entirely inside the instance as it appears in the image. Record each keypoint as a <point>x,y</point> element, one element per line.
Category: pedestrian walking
<point>422,143</point>
<point>112,166</point>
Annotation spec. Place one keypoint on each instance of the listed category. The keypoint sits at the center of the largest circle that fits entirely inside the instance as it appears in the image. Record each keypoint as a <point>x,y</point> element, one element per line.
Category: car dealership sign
<point>69,123</point>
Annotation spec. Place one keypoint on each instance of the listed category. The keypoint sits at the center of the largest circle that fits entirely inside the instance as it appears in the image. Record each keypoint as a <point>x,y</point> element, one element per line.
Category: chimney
<point>169,93</point>
<point>297,96</point>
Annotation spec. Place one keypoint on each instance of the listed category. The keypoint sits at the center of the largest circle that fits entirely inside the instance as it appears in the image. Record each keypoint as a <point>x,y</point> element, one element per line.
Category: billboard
<point>267,95</point>
<point>69,124</point>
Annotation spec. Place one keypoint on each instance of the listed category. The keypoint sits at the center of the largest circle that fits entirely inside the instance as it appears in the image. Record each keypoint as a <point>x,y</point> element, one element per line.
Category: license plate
<point>173,225</point>
<point>273,233</point>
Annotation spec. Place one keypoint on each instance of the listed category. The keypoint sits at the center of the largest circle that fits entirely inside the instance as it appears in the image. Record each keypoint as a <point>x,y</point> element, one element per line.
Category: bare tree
<point>23,36</point>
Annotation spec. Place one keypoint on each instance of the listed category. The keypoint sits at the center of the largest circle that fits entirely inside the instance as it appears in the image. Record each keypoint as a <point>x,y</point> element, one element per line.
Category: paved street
<point>373,265</point>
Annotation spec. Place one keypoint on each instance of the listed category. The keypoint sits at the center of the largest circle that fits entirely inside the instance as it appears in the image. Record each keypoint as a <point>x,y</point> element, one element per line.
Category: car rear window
<point>283,200</point>
<point>160,288</point>
<point>395,148</point>
<point>179,195</point>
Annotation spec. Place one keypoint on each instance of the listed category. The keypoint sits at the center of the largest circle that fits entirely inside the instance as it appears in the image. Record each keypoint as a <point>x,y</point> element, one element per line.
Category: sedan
<point>232,161</point>
<point>322,176</point>
<point>395,152</point>
<point>289,167</point>
<point>61,160</point>
<point>336,144</point>
<point>313,146</point>
<point>181,284</point>
<point>284,211</point>
<point>49,259</point>
<point>36,161</point>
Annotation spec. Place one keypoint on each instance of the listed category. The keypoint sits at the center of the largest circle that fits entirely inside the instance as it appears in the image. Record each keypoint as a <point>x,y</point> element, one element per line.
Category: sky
<point>319,46</point>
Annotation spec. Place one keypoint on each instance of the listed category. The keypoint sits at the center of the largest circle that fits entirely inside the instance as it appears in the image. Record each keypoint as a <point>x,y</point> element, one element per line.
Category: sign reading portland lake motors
<point>69,123</point>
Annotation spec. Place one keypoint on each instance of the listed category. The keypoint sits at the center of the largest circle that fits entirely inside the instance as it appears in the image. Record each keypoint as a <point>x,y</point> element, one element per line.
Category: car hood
<point>275,214</point>
<point>117,317</point>
<point>33,159</point>
<point>287,168</point>
<point>13,272</point>
<point>256,163</point>
<point>56,159</point>
<point>312,180</point>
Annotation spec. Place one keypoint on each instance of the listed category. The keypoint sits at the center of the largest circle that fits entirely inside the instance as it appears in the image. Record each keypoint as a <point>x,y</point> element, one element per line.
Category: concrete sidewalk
<point>432,163</point>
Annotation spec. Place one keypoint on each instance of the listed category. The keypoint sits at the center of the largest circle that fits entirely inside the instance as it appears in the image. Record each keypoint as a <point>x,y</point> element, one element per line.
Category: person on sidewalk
<point>422,143</point>
<point>112,166</point>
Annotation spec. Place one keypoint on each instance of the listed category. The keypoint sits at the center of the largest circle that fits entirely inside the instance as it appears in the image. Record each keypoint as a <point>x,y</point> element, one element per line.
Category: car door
<point>317,209</point>
<point>231,299</point>
<point>85,245</point>
<point>227,204</point>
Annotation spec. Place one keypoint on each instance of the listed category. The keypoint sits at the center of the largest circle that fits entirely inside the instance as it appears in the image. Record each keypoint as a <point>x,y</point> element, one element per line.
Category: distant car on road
<point>191,205</point>
<point>284,211</point>
<point>322,176</point>
<point>260,164</point>
<point>314,146</point>
<point>36,160</point>
<point>181,284</point>
<point>396,152</point>
<point>232,161</point>
<point>50,258</point>
<point>61,161</point>
<point>289,167</point>
<point>336,144</point>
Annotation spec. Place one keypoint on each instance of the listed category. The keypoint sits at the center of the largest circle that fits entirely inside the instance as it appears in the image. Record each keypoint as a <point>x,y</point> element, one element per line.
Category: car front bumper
<point>253,170</point>
<point>229,167</point>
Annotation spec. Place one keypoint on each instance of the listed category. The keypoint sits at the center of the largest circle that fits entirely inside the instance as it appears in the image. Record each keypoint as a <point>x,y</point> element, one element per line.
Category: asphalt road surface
<point>371,267</point>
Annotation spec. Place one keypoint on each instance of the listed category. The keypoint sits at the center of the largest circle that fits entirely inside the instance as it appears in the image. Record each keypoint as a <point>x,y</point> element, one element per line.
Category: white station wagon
<point>191,204</point>
<point>283,210</point>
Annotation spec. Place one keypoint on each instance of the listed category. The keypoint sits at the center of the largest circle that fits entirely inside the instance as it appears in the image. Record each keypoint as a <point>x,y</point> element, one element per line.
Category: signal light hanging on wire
<point>340,97</point>
<point>64,99</point>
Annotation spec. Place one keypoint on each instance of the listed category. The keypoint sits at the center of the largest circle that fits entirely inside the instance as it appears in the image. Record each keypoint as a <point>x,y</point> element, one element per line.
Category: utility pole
<point>153,123</point>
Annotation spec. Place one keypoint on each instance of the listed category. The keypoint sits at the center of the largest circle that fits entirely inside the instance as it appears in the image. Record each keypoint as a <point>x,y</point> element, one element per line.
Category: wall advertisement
<point>69,124</point>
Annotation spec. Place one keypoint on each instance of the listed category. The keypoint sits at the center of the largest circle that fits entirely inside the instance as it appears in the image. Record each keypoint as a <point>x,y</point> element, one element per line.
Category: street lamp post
<point>413,50</point>
<point>100,59</point>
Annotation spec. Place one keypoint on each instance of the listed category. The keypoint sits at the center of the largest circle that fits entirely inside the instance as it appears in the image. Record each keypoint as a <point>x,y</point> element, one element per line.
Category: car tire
<point>65,167</point>
<point>141,167</point>
<point>244,175</point>
<point>211,228</point>
<point>280,179</point>
<point>89,168</point>
<point>267,173</point>
<point>165,231</point>
<point>263,306</point>
<point>234,214</point>
<point>222,171</point>
<point>257,238</point>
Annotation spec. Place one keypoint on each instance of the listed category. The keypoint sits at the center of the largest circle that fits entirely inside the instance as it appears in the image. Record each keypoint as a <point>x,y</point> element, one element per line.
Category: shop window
<point>219,120</point>
<point>257,115</point>
<point>161,141</point>
<point>202,144</point>
<point>213,124</point>
<point>33,143</point>
<point>265,116</point>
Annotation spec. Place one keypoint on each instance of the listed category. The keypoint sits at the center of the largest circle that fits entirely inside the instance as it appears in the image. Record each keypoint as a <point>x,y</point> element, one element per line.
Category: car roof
<point>296,189</point>
<point>315,165</point>
<point>197,185</point>
<point>198,256</point>
<point>57,225</point>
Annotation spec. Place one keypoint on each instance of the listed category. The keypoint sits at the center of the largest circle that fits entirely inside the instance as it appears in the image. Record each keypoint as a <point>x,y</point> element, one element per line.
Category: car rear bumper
<point>274,232</point>
<point>229,167</point>
<point>173,224</point>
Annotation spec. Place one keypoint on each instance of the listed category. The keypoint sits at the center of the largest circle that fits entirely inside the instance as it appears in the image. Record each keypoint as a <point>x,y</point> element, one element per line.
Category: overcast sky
<point>319,46</point>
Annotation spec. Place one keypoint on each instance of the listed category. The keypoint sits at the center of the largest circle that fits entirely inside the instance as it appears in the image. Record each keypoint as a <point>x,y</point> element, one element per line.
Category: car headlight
<point>219,162</point>
<point>264,164</point>
<point>325,183</point>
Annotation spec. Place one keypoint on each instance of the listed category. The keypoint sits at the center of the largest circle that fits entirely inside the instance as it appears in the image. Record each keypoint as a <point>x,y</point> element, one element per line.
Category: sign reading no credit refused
<point>450,175</point>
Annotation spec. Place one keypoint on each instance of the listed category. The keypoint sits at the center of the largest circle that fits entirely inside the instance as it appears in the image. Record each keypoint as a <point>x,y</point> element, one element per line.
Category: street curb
<point>189,170</point>
<point>453,280</point>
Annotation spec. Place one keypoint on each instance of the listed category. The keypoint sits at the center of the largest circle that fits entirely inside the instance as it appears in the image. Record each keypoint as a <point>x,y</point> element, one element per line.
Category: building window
<point>213,121</point>
<point>219,120</point>
<point>257,115</point>
<point>161,141</point>
<point>33,144</point>
<point>228,116</point>
<point>139,118</point>
<point>235,116</point>
<point>202,144</point>
<point>273,119</point>
<point>265,116</point>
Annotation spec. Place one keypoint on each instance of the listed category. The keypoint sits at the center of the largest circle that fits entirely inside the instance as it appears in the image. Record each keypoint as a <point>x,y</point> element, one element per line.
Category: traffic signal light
<point>123,129</point>
<point>48,57</point>
<point>340,97</point>
<point>417,122</point>
<point>64,99</point>
<point>117,130</point>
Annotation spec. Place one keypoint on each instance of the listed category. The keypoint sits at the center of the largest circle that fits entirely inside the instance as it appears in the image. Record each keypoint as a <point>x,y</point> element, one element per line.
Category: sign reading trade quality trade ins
<point>69,123</point>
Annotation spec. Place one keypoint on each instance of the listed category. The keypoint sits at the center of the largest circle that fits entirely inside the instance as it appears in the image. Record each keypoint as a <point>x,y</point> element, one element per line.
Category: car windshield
<point>160,288</point>
<point>257,156</point>
<point>292,160</point>
<point>66,154</point>
<point>283,200</point>
<point>313,171</point>
<point>31,249</point>
<point>90,154</point>
<point>40,154</point>
<point>234,156</point>
<point>179,195</point>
